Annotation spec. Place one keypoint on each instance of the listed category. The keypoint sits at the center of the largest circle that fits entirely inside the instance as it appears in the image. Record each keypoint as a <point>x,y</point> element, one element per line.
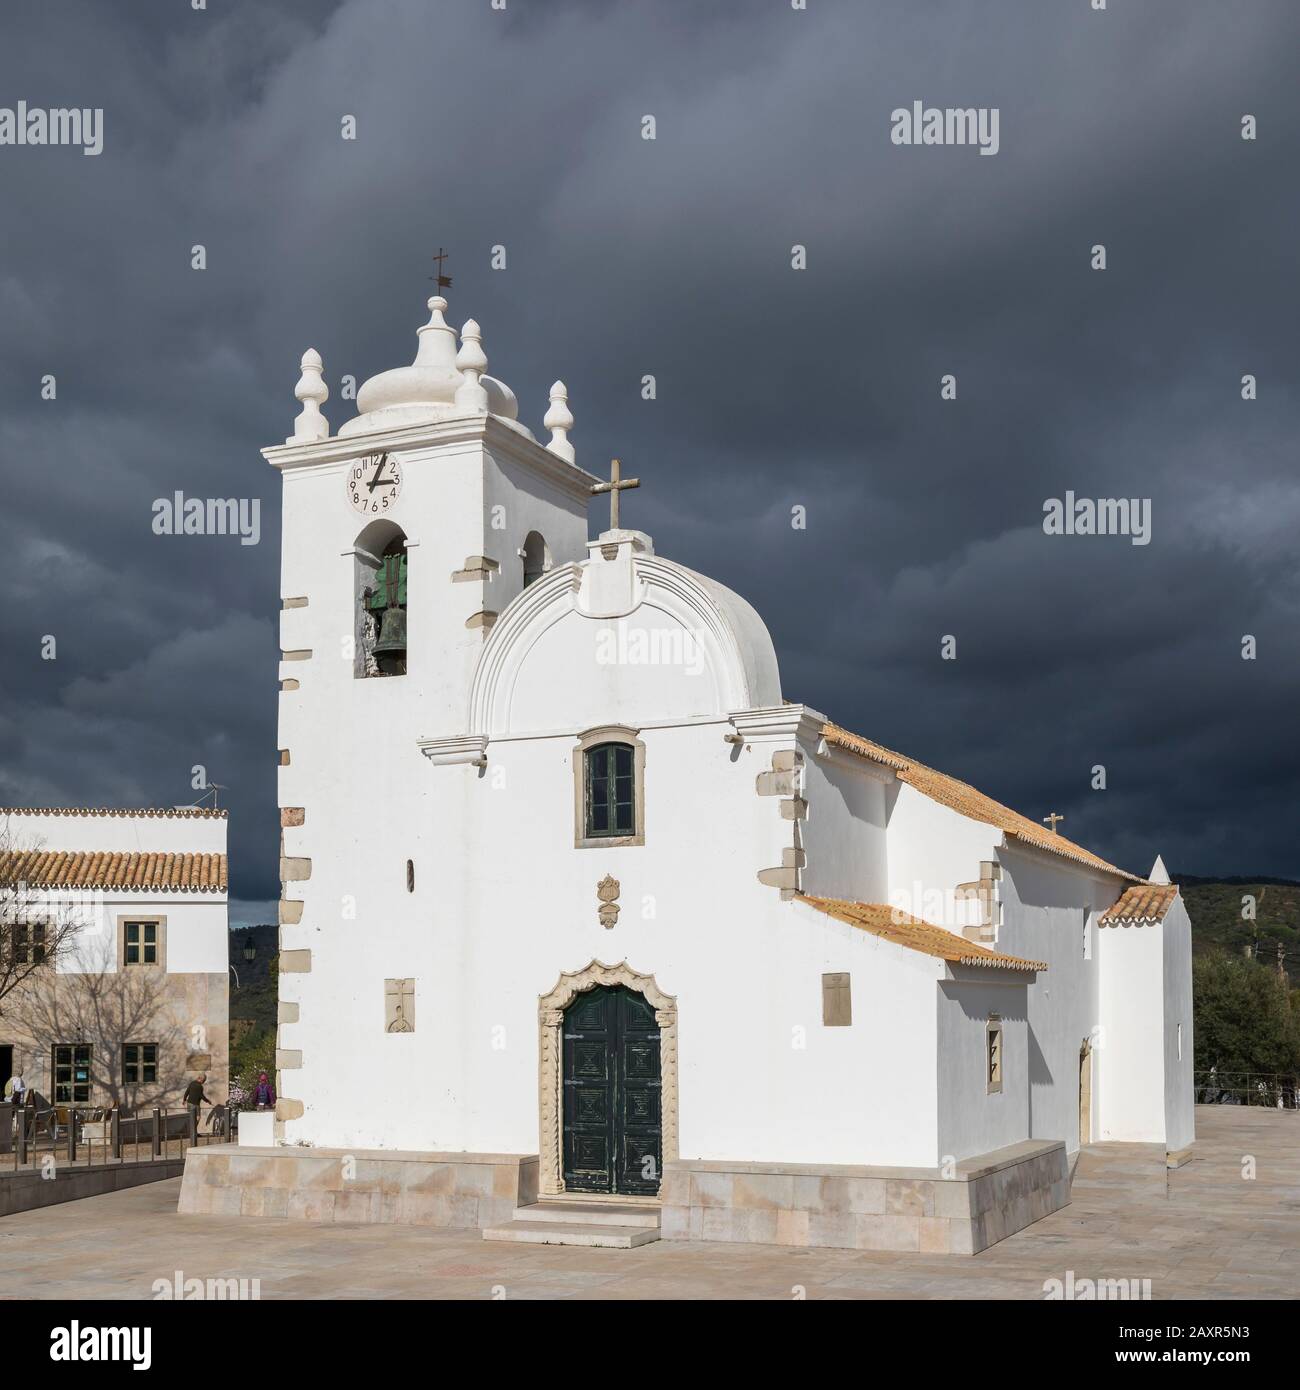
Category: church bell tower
<point>405,535</point>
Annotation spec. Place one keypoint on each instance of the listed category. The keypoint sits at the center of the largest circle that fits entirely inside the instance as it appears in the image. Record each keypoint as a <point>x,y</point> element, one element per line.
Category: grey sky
<point>775,387</point>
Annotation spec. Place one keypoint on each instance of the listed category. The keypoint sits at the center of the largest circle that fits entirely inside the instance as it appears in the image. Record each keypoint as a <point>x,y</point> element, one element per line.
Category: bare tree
<point>93,1000</point>
<point>38,930</point>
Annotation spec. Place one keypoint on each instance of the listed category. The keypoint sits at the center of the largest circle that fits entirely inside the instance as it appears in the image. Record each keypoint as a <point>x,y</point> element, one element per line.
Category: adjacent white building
<point>136,1001</point>
<point>568,880</point>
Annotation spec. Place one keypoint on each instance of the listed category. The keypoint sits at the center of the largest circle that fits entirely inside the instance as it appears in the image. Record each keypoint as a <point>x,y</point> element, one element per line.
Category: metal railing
<point>84,1135</point>
<point>1275,1090</point>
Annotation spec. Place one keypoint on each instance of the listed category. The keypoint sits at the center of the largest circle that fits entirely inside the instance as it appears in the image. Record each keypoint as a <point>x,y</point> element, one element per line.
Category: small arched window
<point>609,788</point>
<point>536,557</point>
<point>381,561</point>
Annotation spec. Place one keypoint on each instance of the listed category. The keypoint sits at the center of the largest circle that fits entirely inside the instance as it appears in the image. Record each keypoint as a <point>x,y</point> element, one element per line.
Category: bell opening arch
<point>379,562</point>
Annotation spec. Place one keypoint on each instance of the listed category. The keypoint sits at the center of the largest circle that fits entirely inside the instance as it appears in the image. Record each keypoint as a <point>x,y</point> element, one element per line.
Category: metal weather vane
<point>443,281</point>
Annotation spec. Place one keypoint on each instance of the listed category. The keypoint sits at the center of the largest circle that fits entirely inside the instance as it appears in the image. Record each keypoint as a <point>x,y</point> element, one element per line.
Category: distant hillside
<point>253,1000</point>
<point>1215,908</point>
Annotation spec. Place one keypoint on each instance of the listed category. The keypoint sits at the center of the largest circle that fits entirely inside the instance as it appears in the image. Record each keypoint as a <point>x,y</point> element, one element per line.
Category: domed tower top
<point>440,383</point>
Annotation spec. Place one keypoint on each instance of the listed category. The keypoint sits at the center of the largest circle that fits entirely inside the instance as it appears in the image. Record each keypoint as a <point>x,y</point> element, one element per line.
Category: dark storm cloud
<point>775,388</point>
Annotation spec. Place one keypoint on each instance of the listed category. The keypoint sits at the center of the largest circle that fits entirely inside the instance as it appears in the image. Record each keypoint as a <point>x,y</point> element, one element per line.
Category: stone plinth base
<point>30,1188</point>
<point>865,1208</point>
<point>461,1190</point>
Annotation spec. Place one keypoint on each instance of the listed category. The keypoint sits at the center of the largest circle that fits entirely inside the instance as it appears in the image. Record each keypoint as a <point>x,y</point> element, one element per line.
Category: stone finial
<point>559,420</point>
<point>471,362</point>
<point>311,390</point>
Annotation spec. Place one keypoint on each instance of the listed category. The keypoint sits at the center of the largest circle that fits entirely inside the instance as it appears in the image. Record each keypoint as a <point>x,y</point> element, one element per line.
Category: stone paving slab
<point>1201,1231</point>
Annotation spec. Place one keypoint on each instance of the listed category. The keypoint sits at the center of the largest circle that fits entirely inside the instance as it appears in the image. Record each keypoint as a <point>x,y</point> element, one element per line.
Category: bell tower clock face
<point>374,484</point>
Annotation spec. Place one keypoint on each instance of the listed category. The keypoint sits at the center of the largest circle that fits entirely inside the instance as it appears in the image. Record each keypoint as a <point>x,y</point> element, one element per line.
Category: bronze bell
<point>392,633</point>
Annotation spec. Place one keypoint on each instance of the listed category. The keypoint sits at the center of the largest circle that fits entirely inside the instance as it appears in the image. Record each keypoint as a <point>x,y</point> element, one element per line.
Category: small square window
<point>72,1073</point>
<point>142,943</point>
<point>139,1063</point>
<point>29,944</point>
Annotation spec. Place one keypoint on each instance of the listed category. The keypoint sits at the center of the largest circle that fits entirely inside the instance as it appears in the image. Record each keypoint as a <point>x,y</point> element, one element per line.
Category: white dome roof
<point>427,389</point>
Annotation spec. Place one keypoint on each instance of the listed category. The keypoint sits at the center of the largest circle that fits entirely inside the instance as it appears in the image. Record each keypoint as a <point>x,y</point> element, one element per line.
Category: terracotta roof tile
<point>967,801</point>
<point>154,873</point>
<point>1143,905</point>
<point>150,813</point>
<point>894,925</point>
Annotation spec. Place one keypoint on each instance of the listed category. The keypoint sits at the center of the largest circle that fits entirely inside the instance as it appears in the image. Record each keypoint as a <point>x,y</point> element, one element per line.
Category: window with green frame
<point>71,1073</point>
<point>140,943</point>
<point>611,790</point>
<point>139,1063</point>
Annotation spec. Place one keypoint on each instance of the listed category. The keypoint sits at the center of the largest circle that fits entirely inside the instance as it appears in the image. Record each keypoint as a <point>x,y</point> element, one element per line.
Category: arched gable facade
<point>676,649</point>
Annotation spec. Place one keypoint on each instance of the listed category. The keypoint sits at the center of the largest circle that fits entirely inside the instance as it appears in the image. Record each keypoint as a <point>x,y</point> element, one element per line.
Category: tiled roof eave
<point>115,871</point>
<point>1003,963</point>
<point>146,813</point>
<point>1143,905</point>
<point>914,934</point>
<point>1067,851</point>
<point>965,800</point>
<point>108,886</point>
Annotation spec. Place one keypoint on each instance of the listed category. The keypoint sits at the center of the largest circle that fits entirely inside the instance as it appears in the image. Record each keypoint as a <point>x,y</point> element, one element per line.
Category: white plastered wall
<point>760,1076</point>
<point>1047,907</point>
<point>973,1120</point>
<point>1176,944</point>
<point>1130,1061</point>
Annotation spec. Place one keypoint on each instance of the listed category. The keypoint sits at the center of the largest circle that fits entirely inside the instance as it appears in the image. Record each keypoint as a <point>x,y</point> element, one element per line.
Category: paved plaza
<point>1203,1231</point>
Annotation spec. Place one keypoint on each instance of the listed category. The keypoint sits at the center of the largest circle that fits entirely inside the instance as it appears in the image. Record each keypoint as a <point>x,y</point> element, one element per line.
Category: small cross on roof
<point>615,485</point>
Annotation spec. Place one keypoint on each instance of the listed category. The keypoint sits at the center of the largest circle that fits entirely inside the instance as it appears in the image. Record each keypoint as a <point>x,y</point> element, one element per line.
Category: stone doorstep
<point>590,1235</point>
<point>602,1222</point>
<point>609,1213</point>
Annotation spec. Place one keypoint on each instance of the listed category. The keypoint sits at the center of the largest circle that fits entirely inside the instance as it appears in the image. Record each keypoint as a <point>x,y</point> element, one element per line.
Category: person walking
<point>193,1098</point>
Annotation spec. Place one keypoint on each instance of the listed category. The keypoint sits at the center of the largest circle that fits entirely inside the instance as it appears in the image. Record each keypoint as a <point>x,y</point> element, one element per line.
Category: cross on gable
<point>1052,821</point>
<point>615,485</point>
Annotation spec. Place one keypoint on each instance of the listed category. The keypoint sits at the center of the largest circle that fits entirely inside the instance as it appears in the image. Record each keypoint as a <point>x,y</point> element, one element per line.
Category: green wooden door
<point>611,1093</point>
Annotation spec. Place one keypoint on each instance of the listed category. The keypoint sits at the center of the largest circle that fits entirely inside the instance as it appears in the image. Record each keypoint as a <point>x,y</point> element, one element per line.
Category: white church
<point>590,935</point>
